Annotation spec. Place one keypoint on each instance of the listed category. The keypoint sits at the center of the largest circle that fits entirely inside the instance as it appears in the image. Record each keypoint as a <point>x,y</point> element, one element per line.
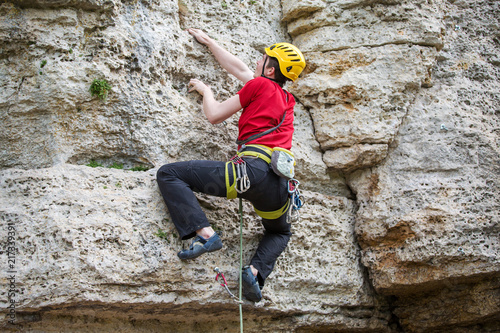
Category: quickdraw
<point>224,284</point>
<point>242,180</point>
<point>297,199</point>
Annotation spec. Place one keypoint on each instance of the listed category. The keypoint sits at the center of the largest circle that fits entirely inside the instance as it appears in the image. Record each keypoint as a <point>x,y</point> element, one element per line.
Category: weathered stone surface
<point>355,157</point>
<point>293,9</point>
<point>354,96</point>
<point>352,24</point>
<point>428,221</point>
<point>397,144</point>
<point>473,302</point>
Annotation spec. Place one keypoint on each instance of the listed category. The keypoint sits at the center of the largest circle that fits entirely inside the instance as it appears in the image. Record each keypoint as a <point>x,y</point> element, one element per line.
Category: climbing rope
<point>241,263</point>
<point>223,282</point>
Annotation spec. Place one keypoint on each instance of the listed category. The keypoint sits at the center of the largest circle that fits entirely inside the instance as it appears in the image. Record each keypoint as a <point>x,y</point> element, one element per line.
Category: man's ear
<point>270,71</point>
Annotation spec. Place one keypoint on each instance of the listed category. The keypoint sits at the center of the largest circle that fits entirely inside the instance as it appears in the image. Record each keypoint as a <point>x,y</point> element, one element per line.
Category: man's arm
<point>214,111</point>
<point>228,61</point>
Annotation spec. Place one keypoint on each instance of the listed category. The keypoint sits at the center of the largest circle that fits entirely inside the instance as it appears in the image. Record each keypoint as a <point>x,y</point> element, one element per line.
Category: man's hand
<point>200,87</point>
<point>200,36</point>
<point>227,60</point>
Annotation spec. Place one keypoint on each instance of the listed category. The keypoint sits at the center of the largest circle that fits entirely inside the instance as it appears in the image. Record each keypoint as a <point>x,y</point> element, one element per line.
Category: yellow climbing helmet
<point>290,58</point>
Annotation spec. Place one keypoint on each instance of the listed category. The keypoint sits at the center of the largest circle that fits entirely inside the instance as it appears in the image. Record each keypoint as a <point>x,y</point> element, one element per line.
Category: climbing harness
<point>237,179</point>
<point>238,182</point>
<point>223,283</point>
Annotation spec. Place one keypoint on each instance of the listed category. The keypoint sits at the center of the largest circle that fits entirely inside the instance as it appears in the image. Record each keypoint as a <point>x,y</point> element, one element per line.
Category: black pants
<point>268,192</point>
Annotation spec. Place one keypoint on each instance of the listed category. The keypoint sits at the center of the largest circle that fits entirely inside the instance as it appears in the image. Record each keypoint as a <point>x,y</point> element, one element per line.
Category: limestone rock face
<point>397,146</point>
<point>355,157</point>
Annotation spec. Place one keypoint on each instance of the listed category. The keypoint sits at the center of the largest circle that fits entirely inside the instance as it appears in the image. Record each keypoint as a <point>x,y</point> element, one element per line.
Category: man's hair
<point>278,76</point>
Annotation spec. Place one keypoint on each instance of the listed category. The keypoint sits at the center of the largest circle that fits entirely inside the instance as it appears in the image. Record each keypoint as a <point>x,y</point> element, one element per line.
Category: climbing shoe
<point>200,246</point>
<point>251,289</point>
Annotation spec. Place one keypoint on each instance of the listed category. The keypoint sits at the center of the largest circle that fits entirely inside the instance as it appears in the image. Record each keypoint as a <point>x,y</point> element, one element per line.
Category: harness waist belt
<point>260,151</point>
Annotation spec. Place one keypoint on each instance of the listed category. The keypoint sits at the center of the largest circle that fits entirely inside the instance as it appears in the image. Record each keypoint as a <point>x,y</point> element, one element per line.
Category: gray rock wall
<point>398,156</point>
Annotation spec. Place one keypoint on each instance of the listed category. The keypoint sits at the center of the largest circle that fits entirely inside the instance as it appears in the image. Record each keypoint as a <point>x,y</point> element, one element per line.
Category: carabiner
<point>293,186</point>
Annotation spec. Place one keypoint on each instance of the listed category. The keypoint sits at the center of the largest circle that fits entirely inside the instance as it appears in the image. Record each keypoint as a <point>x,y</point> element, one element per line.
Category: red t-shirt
<point>264,103</point>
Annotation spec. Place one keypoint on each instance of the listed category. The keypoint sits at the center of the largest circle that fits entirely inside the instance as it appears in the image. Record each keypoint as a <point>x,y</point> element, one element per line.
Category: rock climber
<point>265,104</point>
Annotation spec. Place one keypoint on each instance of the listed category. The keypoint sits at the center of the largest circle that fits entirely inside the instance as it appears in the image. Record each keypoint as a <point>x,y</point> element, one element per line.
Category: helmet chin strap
<point>263,67</point>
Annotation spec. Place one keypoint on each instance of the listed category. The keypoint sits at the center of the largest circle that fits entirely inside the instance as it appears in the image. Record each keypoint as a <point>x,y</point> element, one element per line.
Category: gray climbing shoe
<point>200,246</point>
<point>251,288</point>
